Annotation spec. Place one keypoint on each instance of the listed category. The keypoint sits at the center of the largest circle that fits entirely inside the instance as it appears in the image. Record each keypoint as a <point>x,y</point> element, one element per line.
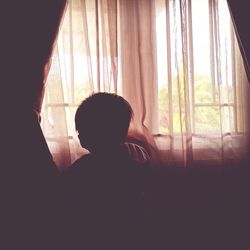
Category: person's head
<point>102,121</point>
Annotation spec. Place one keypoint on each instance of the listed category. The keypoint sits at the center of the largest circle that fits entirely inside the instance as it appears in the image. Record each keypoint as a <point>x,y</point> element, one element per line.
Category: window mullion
<point>211,32</point>
<point>170,89</point>
<point>71,44</point>
<point>234,76</point>
<point>97,45</point>
<point>191,63</point>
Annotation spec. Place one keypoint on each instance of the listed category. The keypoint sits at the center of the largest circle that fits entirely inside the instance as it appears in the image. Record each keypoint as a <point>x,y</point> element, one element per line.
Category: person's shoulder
<point>136,167</point>
<point>82,161</point>
<point>137,153</point>
<point>80,165</point>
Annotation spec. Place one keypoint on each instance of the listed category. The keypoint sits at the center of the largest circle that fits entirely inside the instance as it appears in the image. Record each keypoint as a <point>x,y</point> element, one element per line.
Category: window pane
<point>207,120</point>
<point>201,49</point>
<point>162,66</point>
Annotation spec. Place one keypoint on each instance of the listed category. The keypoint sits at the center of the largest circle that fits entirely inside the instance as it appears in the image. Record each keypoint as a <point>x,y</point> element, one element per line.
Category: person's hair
<point>102,121</point>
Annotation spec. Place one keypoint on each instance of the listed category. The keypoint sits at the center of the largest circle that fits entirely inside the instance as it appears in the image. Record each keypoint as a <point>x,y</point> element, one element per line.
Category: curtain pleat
<point>239,13</point>
<point>138,60</point>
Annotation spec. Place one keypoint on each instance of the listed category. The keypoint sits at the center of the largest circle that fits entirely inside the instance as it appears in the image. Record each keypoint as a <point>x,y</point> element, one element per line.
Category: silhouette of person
<point>103,190</point>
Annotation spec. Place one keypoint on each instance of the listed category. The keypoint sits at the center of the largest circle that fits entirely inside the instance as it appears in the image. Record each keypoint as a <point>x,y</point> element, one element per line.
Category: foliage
<point>206,111</point>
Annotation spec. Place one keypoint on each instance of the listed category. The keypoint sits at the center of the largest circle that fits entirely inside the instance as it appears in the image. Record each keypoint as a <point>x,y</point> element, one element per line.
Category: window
<point>212,92</point>
<point>195,67</point>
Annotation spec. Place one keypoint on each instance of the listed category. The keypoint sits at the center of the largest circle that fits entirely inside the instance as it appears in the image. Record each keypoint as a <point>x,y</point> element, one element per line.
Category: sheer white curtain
<point>177,63</point>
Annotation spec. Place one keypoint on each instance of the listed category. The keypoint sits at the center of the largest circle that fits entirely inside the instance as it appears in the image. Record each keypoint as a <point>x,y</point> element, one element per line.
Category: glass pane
<point>201,52</point>
<point>162,67</point>
<point>207,120</point>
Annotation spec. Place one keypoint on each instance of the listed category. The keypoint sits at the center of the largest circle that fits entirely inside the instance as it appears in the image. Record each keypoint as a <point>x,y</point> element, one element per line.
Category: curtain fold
<point>28,39</point>
<point>240,15</point>
<point>139,67</point>
<point>28,33</point>
<point>138,60</point>
<point>27,43</point>
<point>177,63</point>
